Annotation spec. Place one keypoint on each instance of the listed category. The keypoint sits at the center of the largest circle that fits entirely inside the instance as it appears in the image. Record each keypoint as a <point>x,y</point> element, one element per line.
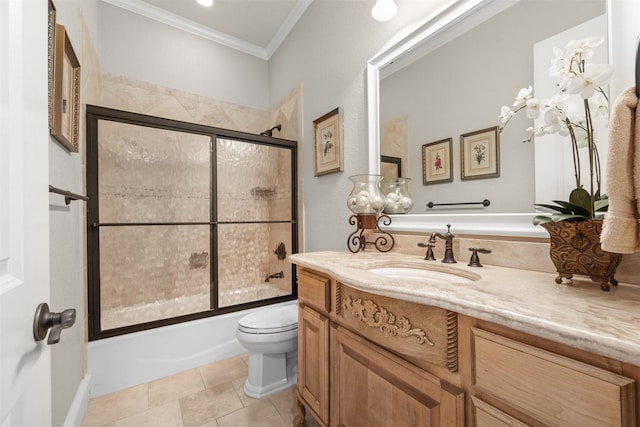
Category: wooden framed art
<point>65,103</point>
<point>480,154</point>
<point>327,135</point>
<point>50,53</point>
<point>390,167</point>
<point>437,162</point>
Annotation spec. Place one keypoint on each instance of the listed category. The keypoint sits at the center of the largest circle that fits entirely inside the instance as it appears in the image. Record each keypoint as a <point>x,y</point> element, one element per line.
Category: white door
<point>25,366</point>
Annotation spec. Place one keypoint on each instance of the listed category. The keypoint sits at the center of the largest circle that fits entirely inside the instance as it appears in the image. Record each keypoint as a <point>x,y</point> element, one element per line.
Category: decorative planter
<point>575,249</point>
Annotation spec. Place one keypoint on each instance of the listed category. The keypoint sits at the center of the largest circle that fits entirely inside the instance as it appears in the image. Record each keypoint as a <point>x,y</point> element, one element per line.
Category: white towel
<point>621,229</point>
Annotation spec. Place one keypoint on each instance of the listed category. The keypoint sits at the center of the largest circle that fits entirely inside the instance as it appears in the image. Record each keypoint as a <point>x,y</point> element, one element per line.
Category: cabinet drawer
<point>313,290</point>
<point>550,388</point>
<point>486,415</point>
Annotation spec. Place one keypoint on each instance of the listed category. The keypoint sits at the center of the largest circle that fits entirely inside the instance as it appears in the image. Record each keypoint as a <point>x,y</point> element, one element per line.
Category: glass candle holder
<point>397,199</point>
<point>365,197</point>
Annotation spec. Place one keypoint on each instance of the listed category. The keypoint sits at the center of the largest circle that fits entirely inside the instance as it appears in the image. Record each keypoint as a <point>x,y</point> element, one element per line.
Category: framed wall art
<point>50,53</point>
<point>327,135</point>
<point>65,102</point>
<point>480,154</point>
<point>390,167</point>
<point>437,162</point>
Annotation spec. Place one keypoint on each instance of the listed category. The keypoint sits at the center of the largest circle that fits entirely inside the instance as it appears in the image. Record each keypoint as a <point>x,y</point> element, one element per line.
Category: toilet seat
<point>270,321</point>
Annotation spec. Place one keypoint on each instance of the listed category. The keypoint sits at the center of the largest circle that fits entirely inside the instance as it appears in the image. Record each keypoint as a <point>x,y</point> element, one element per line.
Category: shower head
<point>269,132</point>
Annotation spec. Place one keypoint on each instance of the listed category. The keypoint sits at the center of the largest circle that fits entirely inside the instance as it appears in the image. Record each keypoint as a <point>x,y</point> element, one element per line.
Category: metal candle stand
<point>357,240</point>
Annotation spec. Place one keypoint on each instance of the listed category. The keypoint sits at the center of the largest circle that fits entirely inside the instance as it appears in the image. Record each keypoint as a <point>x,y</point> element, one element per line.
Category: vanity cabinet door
<point>374,388</point>
<point>313,361</point>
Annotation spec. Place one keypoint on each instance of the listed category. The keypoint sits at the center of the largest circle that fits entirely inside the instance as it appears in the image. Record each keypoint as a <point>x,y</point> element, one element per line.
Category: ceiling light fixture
<point>384,10</point>
<point>206,3</point>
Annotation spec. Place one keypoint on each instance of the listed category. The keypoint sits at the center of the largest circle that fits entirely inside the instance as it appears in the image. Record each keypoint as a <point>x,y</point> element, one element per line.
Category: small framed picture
<point>65,103</point>
<point>50,53</point>
<point>390,167</point>
<point>327,131</point>
<point>437,162</point>
<point>480,154</point>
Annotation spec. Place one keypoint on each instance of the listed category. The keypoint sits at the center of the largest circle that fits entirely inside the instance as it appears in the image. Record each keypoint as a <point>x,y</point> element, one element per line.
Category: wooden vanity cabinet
<point>313,346</point>
<point>368,360</point>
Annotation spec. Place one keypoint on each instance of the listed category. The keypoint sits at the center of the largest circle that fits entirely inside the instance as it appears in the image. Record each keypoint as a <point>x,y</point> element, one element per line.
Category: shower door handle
<point>45,320</point>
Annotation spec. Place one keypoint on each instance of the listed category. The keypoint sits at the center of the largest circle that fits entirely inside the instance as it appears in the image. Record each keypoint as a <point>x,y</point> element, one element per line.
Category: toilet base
<point>270,373</point>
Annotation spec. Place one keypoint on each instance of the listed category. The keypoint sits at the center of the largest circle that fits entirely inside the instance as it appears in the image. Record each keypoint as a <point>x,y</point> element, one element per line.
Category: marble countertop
<point>577,314</point>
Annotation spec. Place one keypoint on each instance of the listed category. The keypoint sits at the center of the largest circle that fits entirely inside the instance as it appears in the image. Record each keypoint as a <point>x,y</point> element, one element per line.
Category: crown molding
<point>152,12</point>
<point>286,27</point>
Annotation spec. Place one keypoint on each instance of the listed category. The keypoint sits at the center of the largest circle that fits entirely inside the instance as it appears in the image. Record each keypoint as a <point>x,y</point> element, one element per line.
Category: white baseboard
<point>75,416</point>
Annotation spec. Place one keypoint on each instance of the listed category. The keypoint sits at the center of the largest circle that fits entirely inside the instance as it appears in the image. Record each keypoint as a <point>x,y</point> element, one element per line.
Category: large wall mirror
<point>449,78</point>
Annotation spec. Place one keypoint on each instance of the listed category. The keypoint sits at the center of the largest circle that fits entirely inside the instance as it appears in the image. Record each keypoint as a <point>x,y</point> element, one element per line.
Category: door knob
<point>45,320</point>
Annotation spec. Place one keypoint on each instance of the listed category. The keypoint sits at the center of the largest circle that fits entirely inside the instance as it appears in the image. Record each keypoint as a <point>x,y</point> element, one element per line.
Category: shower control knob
<point>45,320</point>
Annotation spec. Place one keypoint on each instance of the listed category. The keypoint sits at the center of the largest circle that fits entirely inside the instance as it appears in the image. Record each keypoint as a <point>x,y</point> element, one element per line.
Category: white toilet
<point>271,336</point>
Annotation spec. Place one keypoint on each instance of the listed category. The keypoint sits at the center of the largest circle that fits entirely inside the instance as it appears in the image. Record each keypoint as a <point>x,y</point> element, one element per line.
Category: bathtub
<point>127,360</point>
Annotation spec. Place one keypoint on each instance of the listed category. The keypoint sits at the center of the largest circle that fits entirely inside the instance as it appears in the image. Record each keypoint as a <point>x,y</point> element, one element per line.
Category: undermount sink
<point>410,273</point>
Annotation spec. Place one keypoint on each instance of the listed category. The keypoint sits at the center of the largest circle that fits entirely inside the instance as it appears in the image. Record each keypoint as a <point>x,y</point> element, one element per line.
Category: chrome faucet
<point>448,249</point>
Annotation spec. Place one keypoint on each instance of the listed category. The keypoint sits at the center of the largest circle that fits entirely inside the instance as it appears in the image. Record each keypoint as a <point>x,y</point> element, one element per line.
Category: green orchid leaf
<point>574,208</point>
<point>601,205</point>
<point>541,219</point>
<point>581,197</point>
<point>567,217</point>
<point>554,208</point>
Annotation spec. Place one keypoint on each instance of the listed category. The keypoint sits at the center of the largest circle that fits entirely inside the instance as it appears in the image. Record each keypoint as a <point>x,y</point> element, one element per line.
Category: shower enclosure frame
<point>93,115</point>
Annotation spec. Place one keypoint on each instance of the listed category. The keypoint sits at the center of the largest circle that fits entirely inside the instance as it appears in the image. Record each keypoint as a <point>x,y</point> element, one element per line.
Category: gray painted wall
<point>327,51</point>
<point>67,242</point>
<point>147,50</point>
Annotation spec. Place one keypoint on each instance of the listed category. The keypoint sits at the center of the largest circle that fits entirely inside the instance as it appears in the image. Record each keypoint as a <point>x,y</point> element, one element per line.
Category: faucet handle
<point>429,256</point>
<point>475,260</point>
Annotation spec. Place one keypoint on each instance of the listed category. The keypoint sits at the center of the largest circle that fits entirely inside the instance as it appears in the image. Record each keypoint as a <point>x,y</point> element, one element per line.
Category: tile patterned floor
<point>208,396</point>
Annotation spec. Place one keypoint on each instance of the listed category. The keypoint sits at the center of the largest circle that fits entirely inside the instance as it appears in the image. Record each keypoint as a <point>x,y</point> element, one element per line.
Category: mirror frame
<point>444,25</point>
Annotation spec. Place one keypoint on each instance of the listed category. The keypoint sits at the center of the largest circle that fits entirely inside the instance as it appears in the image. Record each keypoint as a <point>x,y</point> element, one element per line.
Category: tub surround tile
<point>578,314</point>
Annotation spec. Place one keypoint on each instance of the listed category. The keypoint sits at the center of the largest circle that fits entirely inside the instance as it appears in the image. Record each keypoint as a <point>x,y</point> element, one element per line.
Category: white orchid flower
<point>533,108</point>
<point>557,101</point>
<point>523,95</point>
<point>584,47</point>
<point>505,114</point>
<point>554,120</point>
<point>586,83</point>
<point>582,137</point>
<point>599,105</point>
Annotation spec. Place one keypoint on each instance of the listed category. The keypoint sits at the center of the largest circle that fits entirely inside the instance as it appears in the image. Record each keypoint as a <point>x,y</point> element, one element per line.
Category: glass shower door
<point>185,221</point>
<point>255,221</point>
<point>155,234</point>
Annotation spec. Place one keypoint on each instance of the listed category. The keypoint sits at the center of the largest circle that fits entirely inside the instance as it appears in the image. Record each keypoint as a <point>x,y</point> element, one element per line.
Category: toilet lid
<point>270,320</point>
